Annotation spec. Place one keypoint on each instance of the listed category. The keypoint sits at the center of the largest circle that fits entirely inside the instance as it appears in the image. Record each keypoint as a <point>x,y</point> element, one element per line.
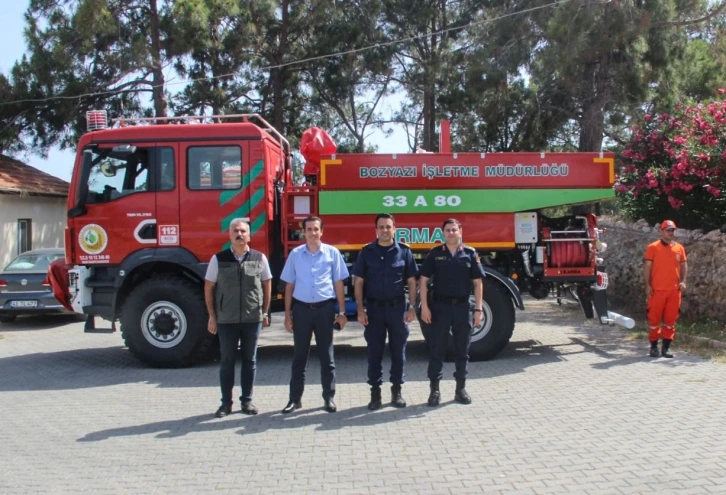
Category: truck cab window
<point>111,177</point>
<point>214,167</point>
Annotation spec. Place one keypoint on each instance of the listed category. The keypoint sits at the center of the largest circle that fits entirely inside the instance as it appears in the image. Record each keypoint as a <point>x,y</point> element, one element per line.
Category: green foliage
<point>675,167</point>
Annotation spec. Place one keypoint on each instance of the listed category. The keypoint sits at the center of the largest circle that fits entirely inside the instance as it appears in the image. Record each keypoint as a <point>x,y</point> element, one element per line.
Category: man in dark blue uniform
<point>454,267</point>
<point>382,271</point>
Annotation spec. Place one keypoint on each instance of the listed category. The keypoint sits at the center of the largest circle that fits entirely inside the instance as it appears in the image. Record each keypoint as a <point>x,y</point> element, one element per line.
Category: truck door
<point>215,191</point>
<point>119,211</point>
<point>168,186</point>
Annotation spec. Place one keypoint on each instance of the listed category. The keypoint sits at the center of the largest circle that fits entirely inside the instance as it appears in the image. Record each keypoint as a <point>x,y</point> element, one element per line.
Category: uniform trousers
<point>457,318</point>
<point>385,319</point>
<point>663,309</point>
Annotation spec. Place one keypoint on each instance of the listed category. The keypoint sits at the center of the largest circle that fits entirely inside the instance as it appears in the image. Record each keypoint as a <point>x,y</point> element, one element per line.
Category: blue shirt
<point>313,274</point>
<point>385,270</point>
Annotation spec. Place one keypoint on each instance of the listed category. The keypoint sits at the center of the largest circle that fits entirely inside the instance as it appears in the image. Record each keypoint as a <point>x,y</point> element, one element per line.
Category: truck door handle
<point>148,231</point>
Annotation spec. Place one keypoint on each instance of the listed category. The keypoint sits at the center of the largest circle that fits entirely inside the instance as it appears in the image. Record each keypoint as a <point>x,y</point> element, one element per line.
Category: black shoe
<point>460,395</point>
<point>224,410</point>
<point>249,408</point>
<point>666,348</point>
<point>376,401</point>
<point>291,406</point>
<point>396,397</point>
<point>435,397</point>
<point>330,406</point>
<point>654,349</point>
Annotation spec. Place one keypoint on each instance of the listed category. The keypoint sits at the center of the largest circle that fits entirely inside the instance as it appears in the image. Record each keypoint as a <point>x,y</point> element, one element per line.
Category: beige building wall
<point>48,220</point>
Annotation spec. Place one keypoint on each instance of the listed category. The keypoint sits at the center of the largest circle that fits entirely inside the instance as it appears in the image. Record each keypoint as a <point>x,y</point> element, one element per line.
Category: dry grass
<point>694,338</point>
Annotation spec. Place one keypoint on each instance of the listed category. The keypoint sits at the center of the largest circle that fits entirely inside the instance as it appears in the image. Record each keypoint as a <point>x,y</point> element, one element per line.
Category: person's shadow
<point>273,420</point>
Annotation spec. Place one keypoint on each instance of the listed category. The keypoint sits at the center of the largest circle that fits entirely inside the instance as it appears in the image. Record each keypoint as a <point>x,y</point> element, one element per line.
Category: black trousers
<point>382,320</point>
<point>445,316</point>
<point>307,321</point>
<point>232,335</point>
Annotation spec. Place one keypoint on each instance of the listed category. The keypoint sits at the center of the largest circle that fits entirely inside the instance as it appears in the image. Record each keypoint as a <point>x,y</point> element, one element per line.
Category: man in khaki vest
<point>237,292</point>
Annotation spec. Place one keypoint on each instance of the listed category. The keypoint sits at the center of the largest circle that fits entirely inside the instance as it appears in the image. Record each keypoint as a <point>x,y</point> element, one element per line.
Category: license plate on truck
<point>24,304</point>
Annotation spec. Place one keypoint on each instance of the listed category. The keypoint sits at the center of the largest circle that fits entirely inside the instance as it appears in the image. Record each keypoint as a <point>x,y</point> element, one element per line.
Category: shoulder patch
<point>468,249</point>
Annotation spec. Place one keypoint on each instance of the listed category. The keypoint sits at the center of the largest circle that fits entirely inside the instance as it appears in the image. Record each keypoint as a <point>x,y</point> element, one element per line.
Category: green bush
<point>675,167</point>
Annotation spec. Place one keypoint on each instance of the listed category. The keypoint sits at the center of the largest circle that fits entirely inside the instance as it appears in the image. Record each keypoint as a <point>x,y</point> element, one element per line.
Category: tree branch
<point>713,13</point>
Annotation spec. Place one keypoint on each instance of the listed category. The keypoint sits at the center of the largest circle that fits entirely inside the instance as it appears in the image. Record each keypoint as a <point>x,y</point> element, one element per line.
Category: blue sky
<point>59,162</point>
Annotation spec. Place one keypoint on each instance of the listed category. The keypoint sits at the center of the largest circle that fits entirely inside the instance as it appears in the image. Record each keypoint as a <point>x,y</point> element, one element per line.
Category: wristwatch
<point>265,315</point>
<point>410,307</point>
<point>341,314</point>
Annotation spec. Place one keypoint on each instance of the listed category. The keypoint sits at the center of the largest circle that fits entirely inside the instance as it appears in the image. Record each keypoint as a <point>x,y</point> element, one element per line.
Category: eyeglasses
<point>670,230</point>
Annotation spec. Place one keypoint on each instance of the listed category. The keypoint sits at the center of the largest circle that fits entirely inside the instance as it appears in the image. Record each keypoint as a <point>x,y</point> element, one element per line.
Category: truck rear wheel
<point>164,322</point>
<point>497,326</point>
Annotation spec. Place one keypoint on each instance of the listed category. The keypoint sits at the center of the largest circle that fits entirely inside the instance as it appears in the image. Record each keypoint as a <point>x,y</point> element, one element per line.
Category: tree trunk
<point>279,73</point>
<point>160,104</point>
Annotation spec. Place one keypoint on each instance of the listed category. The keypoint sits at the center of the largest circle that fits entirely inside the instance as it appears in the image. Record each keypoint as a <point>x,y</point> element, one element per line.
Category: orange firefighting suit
<point>665,276</point>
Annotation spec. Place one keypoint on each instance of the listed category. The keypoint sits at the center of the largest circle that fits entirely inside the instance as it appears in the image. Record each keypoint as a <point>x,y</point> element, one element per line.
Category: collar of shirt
<point>240,257</point>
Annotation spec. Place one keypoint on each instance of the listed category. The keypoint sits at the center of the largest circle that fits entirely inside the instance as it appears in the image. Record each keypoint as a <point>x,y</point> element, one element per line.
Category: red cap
<point>668,224</point>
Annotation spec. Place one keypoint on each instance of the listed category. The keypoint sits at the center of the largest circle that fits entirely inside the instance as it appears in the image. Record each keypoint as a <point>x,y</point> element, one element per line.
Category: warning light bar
<point>96,120</point>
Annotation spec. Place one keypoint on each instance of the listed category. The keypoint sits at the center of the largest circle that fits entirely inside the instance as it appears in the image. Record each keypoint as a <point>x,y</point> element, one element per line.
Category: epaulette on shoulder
<point>365,246</point>
<point>404,244</point>
<point>469,249</point>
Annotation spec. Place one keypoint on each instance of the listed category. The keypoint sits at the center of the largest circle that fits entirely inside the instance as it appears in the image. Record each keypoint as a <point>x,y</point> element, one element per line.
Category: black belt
<point>451,300</point>
<point>387,303</point>
<point>314,305</point>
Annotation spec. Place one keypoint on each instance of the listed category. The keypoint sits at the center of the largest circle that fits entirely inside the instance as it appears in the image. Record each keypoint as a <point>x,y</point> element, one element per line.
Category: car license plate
<point>24,304</point>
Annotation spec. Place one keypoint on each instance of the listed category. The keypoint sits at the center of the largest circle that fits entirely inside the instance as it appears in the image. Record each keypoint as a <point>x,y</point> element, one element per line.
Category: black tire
<point>164,322</point>
<point>492,336</point>
<point>7,318</point>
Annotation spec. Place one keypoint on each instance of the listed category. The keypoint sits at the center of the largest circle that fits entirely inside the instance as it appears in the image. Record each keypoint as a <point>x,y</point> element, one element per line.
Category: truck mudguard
<point>175,255</point>
<point>508,284</point>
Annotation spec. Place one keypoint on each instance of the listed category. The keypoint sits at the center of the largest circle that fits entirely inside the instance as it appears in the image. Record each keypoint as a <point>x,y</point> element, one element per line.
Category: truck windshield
<point>111,177</point>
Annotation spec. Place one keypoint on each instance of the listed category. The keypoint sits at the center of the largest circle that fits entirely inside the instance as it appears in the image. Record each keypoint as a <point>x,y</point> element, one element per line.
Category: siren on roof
<point>96,120</point>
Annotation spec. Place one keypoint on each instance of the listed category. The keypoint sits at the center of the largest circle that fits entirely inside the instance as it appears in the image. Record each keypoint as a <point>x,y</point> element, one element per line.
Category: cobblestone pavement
<point>568,407</point>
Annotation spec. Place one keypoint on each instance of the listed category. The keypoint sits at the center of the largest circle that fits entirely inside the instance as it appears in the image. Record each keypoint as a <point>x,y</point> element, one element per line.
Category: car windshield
<point>32,262</point>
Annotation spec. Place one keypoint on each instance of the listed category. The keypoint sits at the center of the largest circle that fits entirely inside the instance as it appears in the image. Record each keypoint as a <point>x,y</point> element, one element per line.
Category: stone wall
<point>705,296</point>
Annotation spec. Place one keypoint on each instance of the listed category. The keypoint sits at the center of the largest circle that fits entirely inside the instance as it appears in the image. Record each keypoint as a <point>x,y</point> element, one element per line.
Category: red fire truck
<point>151,201</point>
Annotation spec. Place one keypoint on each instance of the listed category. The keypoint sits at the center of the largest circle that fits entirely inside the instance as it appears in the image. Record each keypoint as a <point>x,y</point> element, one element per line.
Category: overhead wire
<point>293,62</point>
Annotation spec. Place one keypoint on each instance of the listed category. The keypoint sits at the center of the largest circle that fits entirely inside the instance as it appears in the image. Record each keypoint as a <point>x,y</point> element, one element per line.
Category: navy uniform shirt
<point>452,274</point>
<point>385,270</point>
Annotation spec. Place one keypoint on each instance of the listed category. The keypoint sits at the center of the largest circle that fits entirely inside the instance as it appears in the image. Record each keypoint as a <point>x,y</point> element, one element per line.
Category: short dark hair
<point>387,216</point>
<point>450,220</point>
<point>312,218</point>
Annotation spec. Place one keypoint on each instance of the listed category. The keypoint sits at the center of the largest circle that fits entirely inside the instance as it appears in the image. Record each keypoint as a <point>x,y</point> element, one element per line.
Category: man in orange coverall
<point>664,274</point>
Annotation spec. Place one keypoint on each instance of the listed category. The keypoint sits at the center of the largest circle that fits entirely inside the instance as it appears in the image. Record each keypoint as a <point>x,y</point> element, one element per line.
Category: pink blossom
<point>675,203</point>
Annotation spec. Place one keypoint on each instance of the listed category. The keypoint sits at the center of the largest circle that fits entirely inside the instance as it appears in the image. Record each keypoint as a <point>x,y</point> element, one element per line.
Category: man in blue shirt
<point>314,273</point>
<point>455,268</point>
<point>382,272</point>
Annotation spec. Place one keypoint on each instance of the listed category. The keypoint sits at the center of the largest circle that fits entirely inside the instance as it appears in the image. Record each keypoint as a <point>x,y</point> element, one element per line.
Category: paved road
<point>567,407</point>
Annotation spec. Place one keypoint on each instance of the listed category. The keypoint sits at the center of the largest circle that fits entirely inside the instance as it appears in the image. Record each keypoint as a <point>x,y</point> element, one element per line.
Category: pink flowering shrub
<point>675,167</point>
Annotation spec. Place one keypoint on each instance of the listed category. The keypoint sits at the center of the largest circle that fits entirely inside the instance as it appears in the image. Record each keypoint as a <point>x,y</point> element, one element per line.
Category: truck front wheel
<point>497,326</point>
<point>164,322</point>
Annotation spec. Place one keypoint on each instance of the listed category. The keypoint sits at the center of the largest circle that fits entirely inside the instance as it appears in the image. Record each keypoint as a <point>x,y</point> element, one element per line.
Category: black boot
<point>654,349</point>
<point>666,347</point>
<point>375,402</point>
<point>396,397</point>
<point>460,395</point>
<point>435,397</point>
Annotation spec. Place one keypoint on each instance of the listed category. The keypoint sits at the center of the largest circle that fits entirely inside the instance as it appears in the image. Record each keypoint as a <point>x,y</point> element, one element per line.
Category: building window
<point>25,235</point>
